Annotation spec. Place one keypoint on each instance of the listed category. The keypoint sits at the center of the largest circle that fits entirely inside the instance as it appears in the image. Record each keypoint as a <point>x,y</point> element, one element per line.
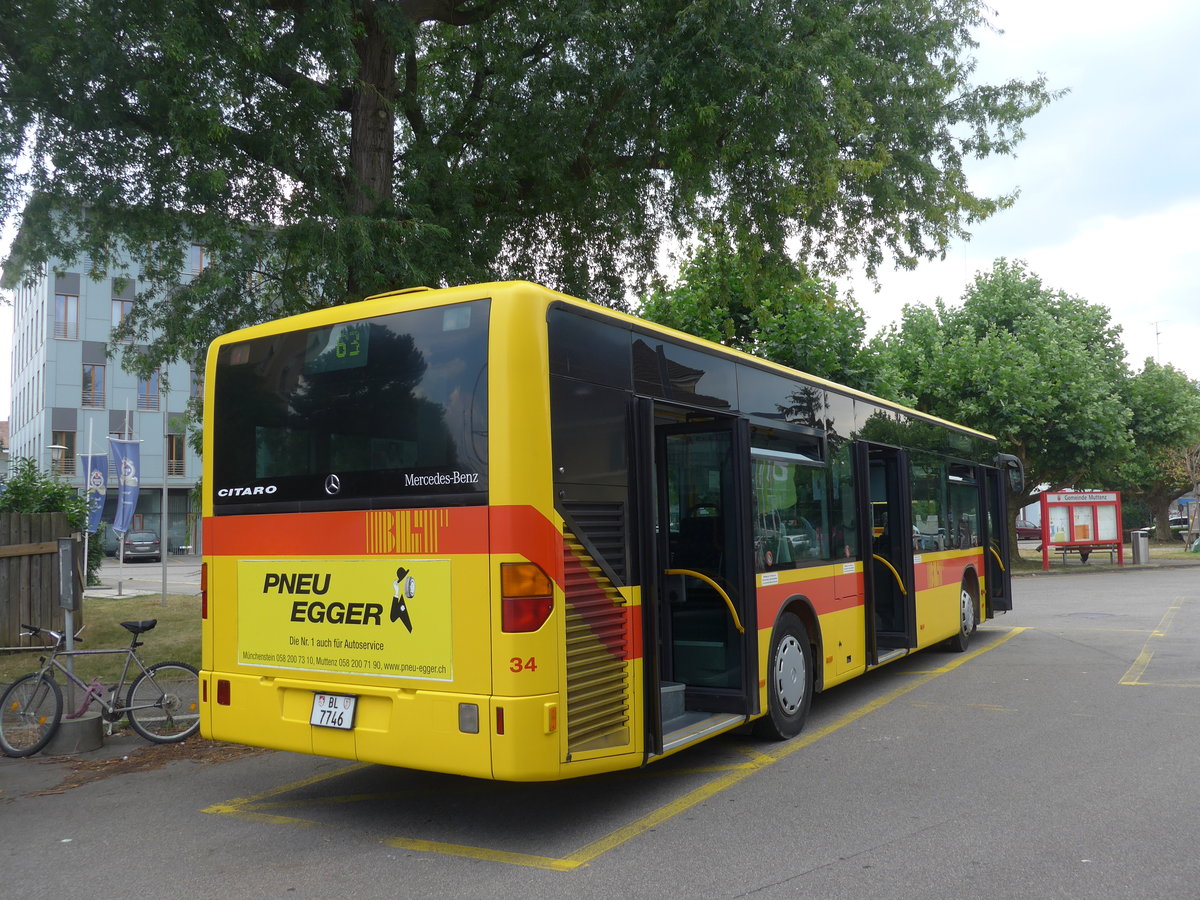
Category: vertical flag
<point>95,473</point>
<point>126,456</point>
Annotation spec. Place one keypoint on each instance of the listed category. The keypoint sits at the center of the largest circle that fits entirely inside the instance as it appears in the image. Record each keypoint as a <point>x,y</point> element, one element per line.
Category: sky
<point>1108,177</point>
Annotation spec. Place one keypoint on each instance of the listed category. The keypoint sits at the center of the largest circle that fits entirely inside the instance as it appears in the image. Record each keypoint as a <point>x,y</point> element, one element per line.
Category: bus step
<point>671,702</point>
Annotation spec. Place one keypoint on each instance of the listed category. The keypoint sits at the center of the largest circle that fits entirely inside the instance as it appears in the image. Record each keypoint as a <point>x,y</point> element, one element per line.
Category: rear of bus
<point>378,576</point>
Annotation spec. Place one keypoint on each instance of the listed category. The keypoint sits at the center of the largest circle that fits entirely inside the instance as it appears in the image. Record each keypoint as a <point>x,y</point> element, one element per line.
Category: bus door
<point>996,540</point>
<point>700,622</point>
<point>887,539</point>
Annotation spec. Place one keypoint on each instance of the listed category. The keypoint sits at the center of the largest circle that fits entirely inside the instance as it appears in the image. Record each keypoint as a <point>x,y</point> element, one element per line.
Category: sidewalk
<point>137,579</point>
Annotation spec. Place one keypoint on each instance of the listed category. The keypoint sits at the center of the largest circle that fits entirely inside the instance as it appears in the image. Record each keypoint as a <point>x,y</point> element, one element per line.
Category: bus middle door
<point>704,623</point>
<point>886,537</point>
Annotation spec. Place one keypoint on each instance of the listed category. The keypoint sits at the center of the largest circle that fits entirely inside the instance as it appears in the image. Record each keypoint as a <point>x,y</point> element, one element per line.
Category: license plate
<point>333,711</point>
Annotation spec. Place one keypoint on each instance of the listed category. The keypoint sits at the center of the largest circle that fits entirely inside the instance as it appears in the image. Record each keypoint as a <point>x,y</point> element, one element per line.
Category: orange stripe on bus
<point>424,532</point>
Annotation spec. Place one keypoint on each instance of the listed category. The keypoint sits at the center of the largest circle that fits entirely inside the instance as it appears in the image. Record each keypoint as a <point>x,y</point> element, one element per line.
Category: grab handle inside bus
<point>892,569</point>
<point>999,561</point>
<point>737,623</point>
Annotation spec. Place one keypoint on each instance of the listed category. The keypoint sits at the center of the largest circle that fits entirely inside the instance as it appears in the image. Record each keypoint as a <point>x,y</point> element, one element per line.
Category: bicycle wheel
<point>30,711</point>
<point>164,702</point>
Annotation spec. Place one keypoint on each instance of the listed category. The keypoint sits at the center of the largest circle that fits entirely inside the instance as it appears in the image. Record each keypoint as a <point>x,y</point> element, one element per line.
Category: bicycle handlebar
<point>38,631</point>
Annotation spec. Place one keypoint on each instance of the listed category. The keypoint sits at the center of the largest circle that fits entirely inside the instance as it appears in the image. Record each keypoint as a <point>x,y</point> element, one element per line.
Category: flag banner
<point>95,473</point>
<point>126,456</point>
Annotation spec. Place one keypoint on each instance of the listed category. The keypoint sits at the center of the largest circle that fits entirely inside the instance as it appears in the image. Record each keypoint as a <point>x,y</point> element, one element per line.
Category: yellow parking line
<point>1133,676</point>
<point>758,760</point>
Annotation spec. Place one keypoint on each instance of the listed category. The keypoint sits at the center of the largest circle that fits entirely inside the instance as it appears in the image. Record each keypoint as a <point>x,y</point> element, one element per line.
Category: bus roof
<point>426,296</point>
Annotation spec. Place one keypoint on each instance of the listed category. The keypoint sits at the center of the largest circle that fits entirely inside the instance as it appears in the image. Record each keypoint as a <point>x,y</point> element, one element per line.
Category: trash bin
<point>1141,547</point>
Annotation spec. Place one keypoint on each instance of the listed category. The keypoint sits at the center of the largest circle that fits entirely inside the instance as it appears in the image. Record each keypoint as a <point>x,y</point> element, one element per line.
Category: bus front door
<point>887,539</point>
<point>996,541</point>
<point>700,623</point>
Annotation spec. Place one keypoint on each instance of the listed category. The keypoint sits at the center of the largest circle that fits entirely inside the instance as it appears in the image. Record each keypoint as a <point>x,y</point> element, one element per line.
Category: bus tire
<point>789,680</point>
<point>966,620</point>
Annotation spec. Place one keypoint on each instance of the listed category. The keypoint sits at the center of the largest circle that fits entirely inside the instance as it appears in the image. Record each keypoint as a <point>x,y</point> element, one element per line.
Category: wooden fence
<point>29,592</point>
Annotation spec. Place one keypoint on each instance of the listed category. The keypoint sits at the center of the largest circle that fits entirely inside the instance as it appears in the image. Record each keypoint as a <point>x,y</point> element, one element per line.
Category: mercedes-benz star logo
<point>333,484</point>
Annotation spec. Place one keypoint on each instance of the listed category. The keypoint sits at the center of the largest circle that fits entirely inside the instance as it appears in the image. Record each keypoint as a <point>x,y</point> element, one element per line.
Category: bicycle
<point>163,703</point>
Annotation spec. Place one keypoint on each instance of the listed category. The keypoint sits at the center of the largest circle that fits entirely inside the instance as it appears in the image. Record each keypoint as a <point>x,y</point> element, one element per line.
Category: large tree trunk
<point>1159,507</point>
<point>373,121</point>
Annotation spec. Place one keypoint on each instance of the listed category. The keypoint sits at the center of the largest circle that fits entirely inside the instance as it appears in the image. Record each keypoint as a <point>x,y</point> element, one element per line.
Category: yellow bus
<point>497,531</point>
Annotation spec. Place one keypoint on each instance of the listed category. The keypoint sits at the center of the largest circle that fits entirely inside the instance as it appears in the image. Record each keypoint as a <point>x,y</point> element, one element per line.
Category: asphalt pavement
<point>1056,758</point>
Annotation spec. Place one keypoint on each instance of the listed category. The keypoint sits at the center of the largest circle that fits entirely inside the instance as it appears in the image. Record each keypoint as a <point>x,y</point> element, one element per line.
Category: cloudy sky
<point>1109,175</point>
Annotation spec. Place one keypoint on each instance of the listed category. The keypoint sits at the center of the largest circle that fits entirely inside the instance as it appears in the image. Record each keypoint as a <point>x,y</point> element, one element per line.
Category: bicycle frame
<point>94,692</point>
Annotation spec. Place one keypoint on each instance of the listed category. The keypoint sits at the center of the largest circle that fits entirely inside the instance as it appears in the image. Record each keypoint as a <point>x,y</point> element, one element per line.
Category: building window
<point>62,453</point>
<point>121,309</point>
<point>148,392</point>
<point>197,259</point>
<point>66,316</point>
<point>175,455</point>
<point>93,386</point>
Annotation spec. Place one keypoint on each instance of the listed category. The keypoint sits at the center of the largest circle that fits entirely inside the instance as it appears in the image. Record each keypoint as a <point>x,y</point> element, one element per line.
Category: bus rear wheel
<point>789,680</point>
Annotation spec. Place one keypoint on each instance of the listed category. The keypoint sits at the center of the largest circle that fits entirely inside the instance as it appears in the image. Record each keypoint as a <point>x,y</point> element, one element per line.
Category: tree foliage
<point>27,489</point>
<point>765,304</point>
<point>322,151</point>
<point>1165,424</point>
<point>1039,368</point>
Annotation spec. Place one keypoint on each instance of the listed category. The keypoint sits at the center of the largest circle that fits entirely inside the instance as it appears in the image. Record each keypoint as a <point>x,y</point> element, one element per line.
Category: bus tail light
<point>203,590</point>
<point>222,691</point>
<point>526,597</point>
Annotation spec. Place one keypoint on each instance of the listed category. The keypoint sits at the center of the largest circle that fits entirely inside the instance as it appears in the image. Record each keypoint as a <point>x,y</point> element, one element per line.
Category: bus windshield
<point>385,412</point>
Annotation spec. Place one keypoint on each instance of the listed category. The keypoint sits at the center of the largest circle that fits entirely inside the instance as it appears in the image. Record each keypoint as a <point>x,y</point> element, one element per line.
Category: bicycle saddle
<point>139,627</point>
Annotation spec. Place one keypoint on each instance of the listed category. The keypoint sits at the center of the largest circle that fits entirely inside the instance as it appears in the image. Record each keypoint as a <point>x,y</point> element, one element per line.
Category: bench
<point>1086,550</point>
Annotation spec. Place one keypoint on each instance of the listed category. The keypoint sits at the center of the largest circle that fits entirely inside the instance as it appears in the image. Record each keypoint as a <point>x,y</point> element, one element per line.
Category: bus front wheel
<point>966,621</point>
<point>789,680</point>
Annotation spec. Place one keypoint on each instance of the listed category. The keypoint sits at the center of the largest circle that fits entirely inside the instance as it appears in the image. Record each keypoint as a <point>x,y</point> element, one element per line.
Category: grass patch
<point>176,638</point>
<point>1030,558</point>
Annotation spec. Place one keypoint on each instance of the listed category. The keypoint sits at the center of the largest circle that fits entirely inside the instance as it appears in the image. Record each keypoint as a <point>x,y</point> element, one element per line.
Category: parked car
<point>1178,526</point>
<point>1028,531</point>
<point>142,545</point>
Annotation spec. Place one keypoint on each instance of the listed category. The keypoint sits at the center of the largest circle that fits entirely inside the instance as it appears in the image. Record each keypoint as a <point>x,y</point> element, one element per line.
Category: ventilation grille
<point>603,526</point>
<point>598,654</point>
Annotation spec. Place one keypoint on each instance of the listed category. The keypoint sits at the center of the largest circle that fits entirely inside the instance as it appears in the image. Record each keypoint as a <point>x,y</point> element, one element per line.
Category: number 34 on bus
<point>501,532</point>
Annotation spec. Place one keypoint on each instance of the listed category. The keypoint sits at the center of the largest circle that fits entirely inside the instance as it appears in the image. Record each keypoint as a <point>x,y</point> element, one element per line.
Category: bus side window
<point>790,509</point>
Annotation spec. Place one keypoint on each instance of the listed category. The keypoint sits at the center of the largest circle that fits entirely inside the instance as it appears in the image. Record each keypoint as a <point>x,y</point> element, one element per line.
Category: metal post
<point>68,601</point>
<point>163,524</point>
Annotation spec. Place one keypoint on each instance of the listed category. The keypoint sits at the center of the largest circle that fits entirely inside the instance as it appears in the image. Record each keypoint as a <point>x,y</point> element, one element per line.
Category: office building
<point>70,393</point>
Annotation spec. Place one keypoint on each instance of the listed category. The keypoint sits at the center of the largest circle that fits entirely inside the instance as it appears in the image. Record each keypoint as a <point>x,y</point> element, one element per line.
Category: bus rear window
<point>376,413</point>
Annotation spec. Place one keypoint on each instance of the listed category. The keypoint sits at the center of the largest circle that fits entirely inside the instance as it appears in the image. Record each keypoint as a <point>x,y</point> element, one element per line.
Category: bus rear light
<point>203,590</point>
<point>526,597</point>
<point>222,692</point>
<point>499,720</point>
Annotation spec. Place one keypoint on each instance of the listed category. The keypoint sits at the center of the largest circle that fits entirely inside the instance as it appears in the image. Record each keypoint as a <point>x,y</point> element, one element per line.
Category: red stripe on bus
<point>405,532</point>
<point>524,531</point>
<point>822,593</point>
<point>519,530</point>
<point>940,572</point>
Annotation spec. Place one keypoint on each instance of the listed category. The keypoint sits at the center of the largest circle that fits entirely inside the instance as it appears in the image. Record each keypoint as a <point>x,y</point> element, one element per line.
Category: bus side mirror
<point>1016,471</point>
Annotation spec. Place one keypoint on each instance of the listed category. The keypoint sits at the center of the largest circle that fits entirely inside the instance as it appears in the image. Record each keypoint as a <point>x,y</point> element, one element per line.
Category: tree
<point>1039,368</point>
<point>27,489</point>
<point>323,151</point>
<point>765,304</point>
<point>1165,424</point>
